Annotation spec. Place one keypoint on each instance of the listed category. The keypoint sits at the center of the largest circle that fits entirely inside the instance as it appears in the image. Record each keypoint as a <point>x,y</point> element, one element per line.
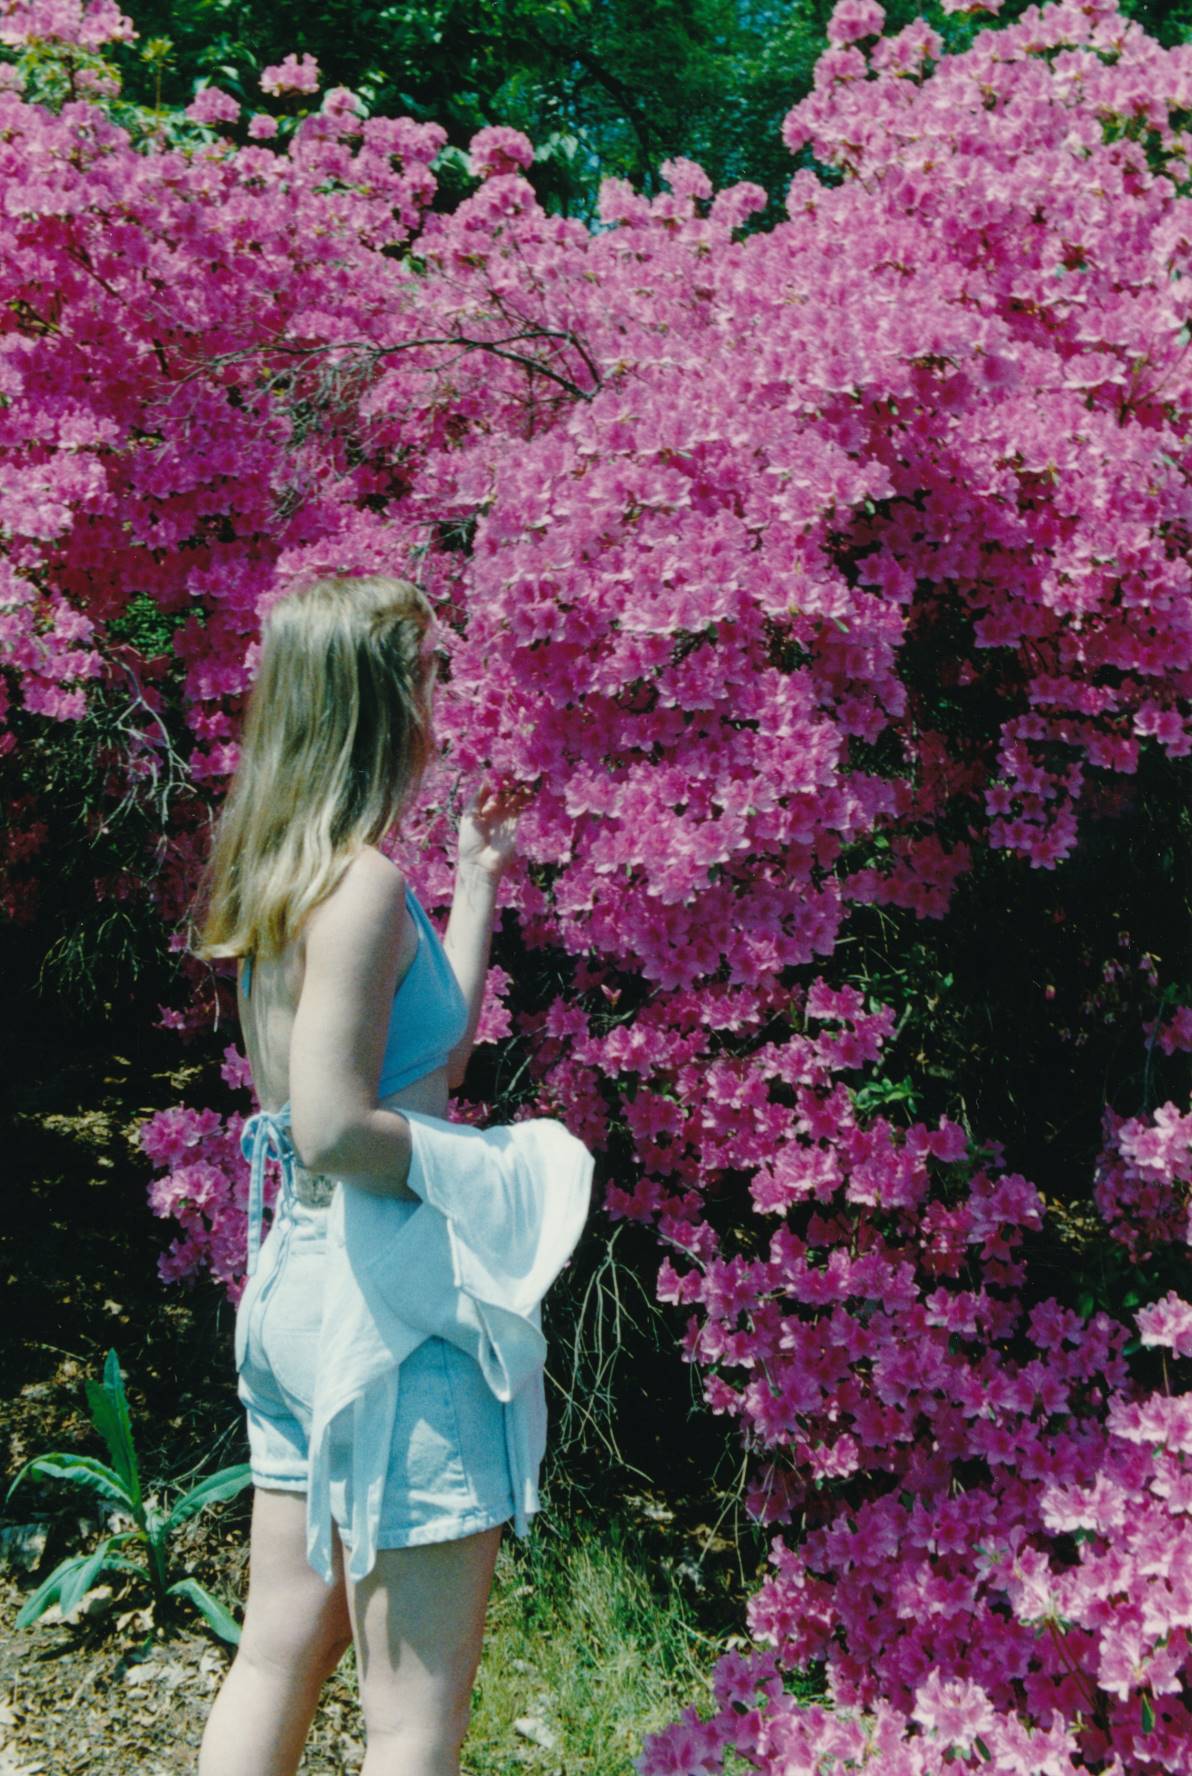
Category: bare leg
<point>295,1630</point>
<point>418,1619</point>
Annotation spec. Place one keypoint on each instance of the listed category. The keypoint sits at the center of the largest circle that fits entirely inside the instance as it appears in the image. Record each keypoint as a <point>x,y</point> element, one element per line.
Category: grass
<point>590,1645</point>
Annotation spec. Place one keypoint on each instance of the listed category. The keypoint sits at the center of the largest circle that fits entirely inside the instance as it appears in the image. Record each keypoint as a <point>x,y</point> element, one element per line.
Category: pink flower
<point>852,19</point>
<point>1168,1322</point>
<point>686,178</point>
<point>341,101</point>
<point>235,1070</point>
<point>956,1711</point>
<point>211,105</point>
<point>296,73</point>
<point>93,81</point>
<point>498,149</point>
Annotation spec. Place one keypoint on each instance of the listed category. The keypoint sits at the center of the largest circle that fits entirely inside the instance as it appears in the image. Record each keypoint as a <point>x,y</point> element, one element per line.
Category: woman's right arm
<point>354,940</point>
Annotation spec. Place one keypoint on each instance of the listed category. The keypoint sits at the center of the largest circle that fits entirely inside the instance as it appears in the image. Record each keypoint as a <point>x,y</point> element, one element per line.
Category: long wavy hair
<point>337,735</point>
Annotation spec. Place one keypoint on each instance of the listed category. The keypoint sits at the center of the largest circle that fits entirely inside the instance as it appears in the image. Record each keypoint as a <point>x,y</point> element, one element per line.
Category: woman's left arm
<point>467,941</point>
<point>487,838</point>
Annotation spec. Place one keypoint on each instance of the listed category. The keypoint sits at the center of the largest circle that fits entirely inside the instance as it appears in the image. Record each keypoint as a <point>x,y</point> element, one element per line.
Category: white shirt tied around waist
<point>502,1210</point>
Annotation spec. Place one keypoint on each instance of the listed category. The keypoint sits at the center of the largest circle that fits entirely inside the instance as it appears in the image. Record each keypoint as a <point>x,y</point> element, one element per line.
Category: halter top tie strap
<point>265,1135</point>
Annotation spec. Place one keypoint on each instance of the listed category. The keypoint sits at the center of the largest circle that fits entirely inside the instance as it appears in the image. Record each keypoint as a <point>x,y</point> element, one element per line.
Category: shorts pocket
<point>287,1325</point>
<point>292,1354</point>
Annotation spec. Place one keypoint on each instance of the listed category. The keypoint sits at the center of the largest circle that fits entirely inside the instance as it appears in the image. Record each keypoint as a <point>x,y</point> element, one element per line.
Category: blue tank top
<point>429,1013</point>
<point>428,1016</point>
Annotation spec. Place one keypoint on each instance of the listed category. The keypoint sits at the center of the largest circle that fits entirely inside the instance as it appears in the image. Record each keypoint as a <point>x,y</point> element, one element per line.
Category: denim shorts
<point>448,1471</point>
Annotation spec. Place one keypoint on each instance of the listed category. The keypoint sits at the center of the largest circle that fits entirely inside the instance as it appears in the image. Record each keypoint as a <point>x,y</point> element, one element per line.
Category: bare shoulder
<point>371,881</point>
<point>372,878</point>
<point>364,914</point>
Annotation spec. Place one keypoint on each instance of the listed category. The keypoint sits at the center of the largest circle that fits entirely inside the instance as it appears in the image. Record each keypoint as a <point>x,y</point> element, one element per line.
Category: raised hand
<point>488,826</point>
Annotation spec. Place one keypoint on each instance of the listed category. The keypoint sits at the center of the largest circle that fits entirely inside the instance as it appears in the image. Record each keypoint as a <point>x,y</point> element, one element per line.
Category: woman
<point>351,1008</point>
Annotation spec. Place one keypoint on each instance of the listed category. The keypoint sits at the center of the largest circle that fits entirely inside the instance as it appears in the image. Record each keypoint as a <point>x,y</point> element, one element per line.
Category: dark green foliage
<point>106,788</point>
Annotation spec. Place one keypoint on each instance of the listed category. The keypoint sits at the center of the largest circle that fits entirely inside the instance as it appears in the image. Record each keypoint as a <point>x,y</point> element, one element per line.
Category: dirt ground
<point>85,1698</point>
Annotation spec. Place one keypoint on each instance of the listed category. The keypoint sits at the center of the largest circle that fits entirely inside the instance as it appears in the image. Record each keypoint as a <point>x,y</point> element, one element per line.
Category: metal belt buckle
<point>314,1190</point>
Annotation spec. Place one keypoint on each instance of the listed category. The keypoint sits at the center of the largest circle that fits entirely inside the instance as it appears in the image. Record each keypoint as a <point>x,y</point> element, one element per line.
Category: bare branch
<point>462,343</point>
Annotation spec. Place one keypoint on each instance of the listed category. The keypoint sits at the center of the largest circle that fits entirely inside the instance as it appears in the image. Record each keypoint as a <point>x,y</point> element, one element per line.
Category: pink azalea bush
<point>1142,1183</point>
<point>793,570</point>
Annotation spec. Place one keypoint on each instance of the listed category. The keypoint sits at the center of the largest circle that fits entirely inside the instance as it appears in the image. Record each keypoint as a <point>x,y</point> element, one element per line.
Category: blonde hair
<point>336,737</point>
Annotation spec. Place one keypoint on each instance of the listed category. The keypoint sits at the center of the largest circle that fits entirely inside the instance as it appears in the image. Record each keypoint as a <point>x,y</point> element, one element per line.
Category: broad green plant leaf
<point>76,1584</point>
<point>120,1563</point>
<point>48,1591</point>
<point>78,1470</point>
<point>209,1607</point>
<point>156,1525</point>
<point>217,1487</point>
<point>109,1414</point>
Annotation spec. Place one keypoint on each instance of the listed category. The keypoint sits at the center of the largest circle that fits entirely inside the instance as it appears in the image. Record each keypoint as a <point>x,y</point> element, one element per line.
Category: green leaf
<point>121,1563</point>
<point>1148,1714</point>
<point>453,157</point>
<point>156,1525</point>
<point>217,1487</point>
<point>47,1592</point>
<point>210,1607</point>
<point>76,1584</point>
<point>78,1470</point>
<point>109,1414</point>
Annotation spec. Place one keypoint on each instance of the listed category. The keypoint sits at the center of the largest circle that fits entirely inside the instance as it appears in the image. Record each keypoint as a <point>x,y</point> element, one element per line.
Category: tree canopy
<point>600,86</point>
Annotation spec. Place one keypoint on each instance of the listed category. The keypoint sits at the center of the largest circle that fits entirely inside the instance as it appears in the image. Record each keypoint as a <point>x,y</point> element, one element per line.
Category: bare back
<point>268,1015</point>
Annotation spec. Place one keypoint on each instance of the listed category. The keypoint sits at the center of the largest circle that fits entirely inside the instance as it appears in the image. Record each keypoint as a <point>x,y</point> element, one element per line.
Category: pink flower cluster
<point>87,23</point>
<point>499,150</point>
<point>1143,1180</point>
<point>852,20</point>
<point>211,105</point>
<point>204,1189</point>
<point>1176,1034</point>
<point>940,1445</point>
<point>1072,1626</point>
<point>297,74</point>
<point>45,639</point>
